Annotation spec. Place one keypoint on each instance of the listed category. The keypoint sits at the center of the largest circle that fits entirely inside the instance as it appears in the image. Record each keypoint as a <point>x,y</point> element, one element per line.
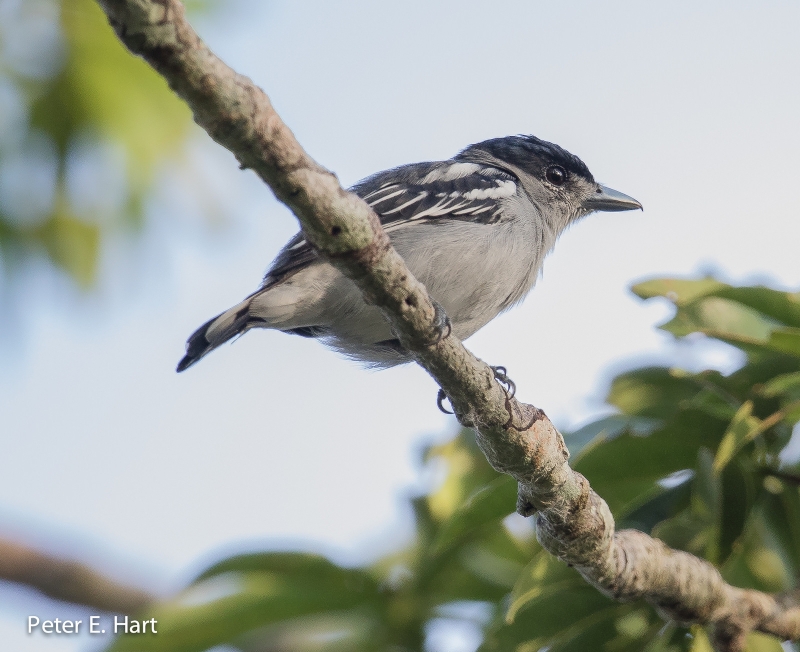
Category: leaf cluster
<point>696,459</point>
<point>85,126</point>
<point>693,459</point>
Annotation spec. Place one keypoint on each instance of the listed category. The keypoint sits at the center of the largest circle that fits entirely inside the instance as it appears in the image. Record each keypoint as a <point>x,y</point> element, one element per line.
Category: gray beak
<point>606,199</point>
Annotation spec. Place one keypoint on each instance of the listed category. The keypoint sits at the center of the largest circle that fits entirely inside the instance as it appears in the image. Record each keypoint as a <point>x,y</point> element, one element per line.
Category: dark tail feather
<point>212,334</point>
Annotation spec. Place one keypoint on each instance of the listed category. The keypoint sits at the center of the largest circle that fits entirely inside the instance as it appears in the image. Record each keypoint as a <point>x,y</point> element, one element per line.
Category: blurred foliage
<point>693,458</point>
<point>83,126</point>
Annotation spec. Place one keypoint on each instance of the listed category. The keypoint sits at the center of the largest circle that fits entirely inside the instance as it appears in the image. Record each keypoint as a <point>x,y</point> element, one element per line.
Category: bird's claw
<point>501,376</point>
<point>440,402</point>
<point>441,324</point>
<point>508,386</point>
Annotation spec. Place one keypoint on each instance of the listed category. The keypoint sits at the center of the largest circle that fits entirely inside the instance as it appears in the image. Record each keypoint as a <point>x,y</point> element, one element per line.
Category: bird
<point>474,229</point>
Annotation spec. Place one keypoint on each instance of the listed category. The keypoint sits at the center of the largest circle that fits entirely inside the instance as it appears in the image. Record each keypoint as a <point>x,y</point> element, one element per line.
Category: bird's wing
<point>434,191</point>
<point>429,192</point>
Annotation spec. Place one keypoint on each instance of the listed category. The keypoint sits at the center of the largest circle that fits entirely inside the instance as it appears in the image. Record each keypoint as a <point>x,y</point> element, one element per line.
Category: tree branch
<point>69,581</point>
<point>573,522</point>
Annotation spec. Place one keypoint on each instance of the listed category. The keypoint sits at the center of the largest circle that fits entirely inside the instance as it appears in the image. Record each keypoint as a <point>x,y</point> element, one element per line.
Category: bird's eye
<point>556,175</point>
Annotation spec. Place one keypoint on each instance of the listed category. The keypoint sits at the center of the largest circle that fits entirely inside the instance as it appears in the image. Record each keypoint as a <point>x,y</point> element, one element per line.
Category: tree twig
<point>573,522</point>
<point>69,581</point>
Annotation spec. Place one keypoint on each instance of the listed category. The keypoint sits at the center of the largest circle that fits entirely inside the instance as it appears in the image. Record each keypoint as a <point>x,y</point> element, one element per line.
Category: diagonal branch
<point>69,581</point>
<point>573,522</point>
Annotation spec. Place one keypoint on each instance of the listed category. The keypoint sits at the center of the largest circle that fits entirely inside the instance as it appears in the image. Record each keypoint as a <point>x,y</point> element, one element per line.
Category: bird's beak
<point>606,199</point>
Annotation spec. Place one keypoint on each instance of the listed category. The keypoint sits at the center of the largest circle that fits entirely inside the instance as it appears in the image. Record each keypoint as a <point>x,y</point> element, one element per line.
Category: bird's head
<point>558,182</point>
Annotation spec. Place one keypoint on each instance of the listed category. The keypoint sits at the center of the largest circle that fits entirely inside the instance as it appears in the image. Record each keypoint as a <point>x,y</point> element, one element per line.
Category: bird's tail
<point>217,331</point>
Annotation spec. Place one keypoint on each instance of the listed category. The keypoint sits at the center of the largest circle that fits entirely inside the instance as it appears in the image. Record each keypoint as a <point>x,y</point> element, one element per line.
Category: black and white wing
<point>435,191</point>
<point>429,192</point>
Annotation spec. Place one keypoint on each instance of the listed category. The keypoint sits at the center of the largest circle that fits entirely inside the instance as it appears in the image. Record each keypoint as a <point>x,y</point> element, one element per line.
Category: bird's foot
<point>440,402</point>
<point>508,386</point>
<point>441,324</point>
<point>516,411</point>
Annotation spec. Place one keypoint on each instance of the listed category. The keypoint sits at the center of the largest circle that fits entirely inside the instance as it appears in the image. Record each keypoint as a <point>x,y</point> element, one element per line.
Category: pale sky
<point>112,458</point>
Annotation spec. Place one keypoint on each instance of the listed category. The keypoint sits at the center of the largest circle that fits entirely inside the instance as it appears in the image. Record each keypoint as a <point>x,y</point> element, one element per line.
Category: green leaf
<point>735,324</point>
<point>653,392</point>
<point>608,428</point>
<point>72,244</point>
<point>489,504</point>
<point>780,507</point>
<point>721,318</point>
<point>245,592</point>
<point>628,467</point>
<point>697,529</point>
<point>706,488</point>
<point>757,642</point>
<point>101,87</point>
<point>467,472</point>
<point>710,401</point>
<point>484,563</point>
<point>544,576</point>
<point>785,340</point>
<point>544,619</point>
<point>738,487</point>
<point>783,385</point>
<point>294,564</point>
<point>781,306</point>
<point>751,318</point>
<point>706,502</point>
<point>685,531</point>
<point>700,642</point>
<point>760,560</point>
<point>746,382</point>
<point>551,605</point>
<point>482,566</point>
<point>197,620</point>
<point>659,505</point>
<point>97,93</point>
<point>602,629</point>
<point>679,291</point>
<point>327,632</point>
<point>577,621</point>
<point>744,427</point>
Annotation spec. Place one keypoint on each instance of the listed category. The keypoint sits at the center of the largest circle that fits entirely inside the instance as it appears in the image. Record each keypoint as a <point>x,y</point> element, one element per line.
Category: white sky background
<point>111,457</point>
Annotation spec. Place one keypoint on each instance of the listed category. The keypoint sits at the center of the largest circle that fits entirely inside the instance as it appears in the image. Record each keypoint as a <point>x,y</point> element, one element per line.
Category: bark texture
<point>573,522</point>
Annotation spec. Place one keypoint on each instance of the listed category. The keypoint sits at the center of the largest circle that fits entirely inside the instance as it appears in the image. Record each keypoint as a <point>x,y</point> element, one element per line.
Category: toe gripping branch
<point>440,331</point>
<point>508,386</point>
<point>501,376</point>
<point>514,410</point>
<point>441,324</point>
